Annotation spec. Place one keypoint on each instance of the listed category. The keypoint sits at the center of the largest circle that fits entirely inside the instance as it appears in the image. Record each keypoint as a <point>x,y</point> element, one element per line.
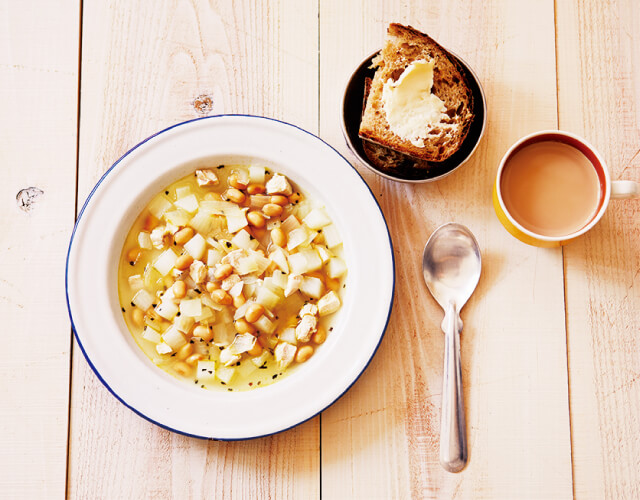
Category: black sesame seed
<point>220,166</point>
<point>154,305</point>
<point>191,341</point>
<point>166,192</point>
<point>259,382</point>
<point>178,313</point>
<point>274,376</point>
<point>202,386</point>
<point>197,290</point>
<point>331,329</point>
<point>223,383</point>
<point>131,263</point>
<point>123,309</point>
<point>152,319</point>
<point>229,389</point>
<point>228,244</point>
<point>132,304</point>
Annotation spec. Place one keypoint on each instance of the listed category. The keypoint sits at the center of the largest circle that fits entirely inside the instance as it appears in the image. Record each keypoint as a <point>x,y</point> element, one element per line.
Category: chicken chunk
<point>227,356</point>
<point>284,354</point>
<point>279,184</point>
<point>329,303</point>
<point>198,271</point>
<point>207,178</point>
<point>307,326</point>
<point>157,237</point>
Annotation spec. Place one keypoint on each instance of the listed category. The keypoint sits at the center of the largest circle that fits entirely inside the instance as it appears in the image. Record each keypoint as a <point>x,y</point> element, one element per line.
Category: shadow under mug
<point>609,189</point>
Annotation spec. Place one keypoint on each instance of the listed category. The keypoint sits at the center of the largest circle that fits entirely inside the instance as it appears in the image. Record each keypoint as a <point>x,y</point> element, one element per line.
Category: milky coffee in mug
<point>553,186</point>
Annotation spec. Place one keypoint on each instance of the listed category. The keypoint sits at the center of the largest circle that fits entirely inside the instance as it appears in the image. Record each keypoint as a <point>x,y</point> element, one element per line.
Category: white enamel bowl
<point>126,188</point>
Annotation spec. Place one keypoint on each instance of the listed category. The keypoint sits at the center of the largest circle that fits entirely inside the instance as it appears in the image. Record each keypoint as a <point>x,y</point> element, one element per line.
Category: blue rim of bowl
<point>86,203</point>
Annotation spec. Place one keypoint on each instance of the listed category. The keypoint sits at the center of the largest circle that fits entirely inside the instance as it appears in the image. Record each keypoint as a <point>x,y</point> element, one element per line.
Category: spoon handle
<point>453,440</point>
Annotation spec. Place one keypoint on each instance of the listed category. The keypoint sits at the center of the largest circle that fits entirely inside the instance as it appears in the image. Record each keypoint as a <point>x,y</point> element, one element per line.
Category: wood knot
<point>203,104</point>
<point>27,198</point>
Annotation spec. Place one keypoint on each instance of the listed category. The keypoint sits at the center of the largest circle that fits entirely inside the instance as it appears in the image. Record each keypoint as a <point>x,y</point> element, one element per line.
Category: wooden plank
<point>143,66</point>
<point>39,88</point>
<point>381,439</point>
<point>599,98</point>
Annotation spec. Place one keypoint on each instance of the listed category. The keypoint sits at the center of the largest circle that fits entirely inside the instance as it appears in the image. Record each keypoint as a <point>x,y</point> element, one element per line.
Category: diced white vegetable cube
<point>206,372</point>
<point>288,335</point>
<point>280,258</point>
<point>256,174</point>
<point>293,284</point>
<point>174,338</point>
<point>143,299</point>
<point>279,279</point>
<point>165,261</point>
<point>246,368</point>
<point>223,333</point>
<point>268,298</point>
<point>241,310</point>
<point>183,191</point>
<point>257,201</point>
<point>144,240</point>
<point>184,323</point>
<point>204,222</point>
<point>163,348</point>
<point>297,237</point>
<point>151,335</point>
<point>191,307</point>
<point>336,267</point>
<point>329,304</point>
<point>304,261</point>
<point>167,309</point>
<point>324,253</point>
<point>213,257</point>
<point>159,205</point>
<point>207,315</point>
<point>188,203</point>
<point>258,361</point>
<point>236,289</point>
<point>236,221</point>
<point>265,325</point>
<point>312,287</point>
<point>136,282</point>
<point>196,247</point>
<point>226,373</point>
<point>289,224</point>
<point>317,219</point>
<point>243,239</point>
<point>177,217</point>
<point>331,236</point>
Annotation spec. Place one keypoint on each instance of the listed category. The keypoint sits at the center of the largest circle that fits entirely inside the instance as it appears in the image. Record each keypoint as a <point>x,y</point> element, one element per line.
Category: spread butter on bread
<point>420,103</point>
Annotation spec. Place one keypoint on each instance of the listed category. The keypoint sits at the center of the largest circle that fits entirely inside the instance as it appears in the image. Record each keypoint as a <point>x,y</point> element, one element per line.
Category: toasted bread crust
<point>404,45</point>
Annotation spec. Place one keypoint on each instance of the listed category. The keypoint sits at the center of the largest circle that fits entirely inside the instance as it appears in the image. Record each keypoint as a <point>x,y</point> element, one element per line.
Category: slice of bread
<point>384,158</point>
<point>404,45</point>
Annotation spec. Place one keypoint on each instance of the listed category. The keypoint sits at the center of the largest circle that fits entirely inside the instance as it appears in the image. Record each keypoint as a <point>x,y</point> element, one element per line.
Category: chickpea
<point>320,336</point>
<point>179,289</point>
<point>278,237</point>
<point>255,189</point>
<point>295,198</point>
<point>272,210</point>
<point>235,195</point>
<point>137,316</point>
<point>243,327</point>
<point>212,197</point>
<point>235,182</point>
<point>200,331</point>
<point>194,358</point>
<point>184,352</point>
<point>304,353</point>
<point>253,313</point>
<point>182,368</point>
<point>221,297</point>
<point>183,235</point>
<point>256,219</point>
<point>238,300</point>
<point>183,262</point>
<point>279,199</point>
<point>211,286</point>
<point>223,271</point>
<point>133,255</point>
<point>256,350</point>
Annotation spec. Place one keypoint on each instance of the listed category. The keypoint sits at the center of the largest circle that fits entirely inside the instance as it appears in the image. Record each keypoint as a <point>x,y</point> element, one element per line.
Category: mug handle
<point>624,190</point>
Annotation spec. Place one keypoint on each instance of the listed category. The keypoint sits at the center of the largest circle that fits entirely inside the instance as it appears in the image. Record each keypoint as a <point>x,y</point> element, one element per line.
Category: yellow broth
<point>220,342</point>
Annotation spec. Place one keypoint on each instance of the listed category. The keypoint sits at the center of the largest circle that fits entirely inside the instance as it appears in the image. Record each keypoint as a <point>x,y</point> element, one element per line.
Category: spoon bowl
<point>451,265</point>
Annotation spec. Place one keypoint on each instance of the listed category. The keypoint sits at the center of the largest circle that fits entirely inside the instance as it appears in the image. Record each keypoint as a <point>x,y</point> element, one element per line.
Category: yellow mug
<point>608,189</point>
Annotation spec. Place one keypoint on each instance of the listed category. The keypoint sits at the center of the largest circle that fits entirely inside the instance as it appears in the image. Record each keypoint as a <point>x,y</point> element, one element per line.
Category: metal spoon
<point>451,265</point>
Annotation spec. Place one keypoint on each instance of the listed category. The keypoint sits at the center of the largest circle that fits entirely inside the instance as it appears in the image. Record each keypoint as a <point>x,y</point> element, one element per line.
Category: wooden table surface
<point>551,346</point>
